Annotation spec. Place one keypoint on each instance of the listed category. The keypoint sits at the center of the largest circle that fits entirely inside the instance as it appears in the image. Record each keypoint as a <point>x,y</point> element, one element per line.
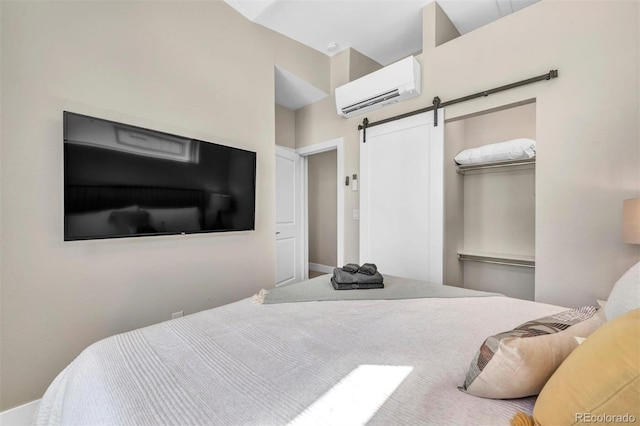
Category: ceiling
<point>384,30</point>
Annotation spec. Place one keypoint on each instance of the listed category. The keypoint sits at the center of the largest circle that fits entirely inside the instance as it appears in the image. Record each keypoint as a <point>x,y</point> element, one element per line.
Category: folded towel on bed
<point>351,268</point>
<point>343,277</point>
<point>343,280</point>
<point>368,269</point>
<point>355,286</point>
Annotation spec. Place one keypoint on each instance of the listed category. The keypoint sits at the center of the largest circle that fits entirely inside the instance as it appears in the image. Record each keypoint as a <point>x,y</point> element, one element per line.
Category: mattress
<point>377,362</point>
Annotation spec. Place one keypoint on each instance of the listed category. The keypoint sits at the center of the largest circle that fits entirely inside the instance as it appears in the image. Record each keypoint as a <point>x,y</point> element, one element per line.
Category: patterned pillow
<point>518,363</point>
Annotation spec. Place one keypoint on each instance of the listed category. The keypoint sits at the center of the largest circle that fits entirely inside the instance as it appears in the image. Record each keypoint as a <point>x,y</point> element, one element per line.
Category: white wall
<point>285,127</point>
<point>197,69</point>
<point>587,128</point>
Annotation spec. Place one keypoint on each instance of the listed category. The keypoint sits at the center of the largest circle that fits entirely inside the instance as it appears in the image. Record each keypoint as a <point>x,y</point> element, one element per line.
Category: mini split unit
<point>389,85</point>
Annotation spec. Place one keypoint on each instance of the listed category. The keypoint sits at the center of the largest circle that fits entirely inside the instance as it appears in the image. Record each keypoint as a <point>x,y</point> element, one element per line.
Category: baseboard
<point>320,268</point>
<point>19,416</point>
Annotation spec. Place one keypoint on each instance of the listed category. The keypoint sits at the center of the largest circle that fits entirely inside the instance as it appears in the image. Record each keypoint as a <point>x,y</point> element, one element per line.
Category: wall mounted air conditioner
<point>389,85</point>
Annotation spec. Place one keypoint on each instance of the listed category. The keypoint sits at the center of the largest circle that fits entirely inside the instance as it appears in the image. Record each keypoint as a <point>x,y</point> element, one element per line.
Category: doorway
<point>306,208</point>
<point>322,194</point>
<point>323,206</point>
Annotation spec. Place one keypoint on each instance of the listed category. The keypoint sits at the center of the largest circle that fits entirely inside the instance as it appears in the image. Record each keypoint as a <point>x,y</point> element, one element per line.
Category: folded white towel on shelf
<point>515,149</point>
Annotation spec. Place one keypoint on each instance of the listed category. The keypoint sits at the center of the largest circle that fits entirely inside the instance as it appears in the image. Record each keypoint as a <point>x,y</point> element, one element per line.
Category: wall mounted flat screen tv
<point>126,181</point>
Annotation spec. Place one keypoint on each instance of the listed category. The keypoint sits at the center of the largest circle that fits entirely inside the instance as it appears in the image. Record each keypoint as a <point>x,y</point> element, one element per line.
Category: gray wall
<point>197,69</point>
<point>322,197</point>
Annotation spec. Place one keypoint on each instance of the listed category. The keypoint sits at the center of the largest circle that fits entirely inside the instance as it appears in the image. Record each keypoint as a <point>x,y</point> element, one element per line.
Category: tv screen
<point>126,181</point>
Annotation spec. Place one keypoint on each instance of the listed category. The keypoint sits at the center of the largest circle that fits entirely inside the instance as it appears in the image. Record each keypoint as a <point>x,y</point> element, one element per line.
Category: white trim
<point>321,268</point>
<point>305,217</point>
<point>338,145</point>
<point>341,190</point>
<point>21,415</point>
<point>319,147</point>
<point>286,148</point>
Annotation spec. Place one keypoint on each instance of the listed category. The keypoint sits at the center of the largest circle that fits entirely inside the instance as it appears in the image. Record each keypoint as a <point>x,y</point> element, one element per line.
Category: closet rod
<point>462,169</point>
<point>438,104</point>
<point>497,260</point>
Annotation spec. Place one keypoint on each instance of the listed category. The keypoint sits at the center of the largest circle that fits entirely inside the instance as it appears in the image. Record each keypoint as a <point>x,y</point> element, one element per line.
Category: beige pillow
<point>600,381</point>
<point>518,363</point>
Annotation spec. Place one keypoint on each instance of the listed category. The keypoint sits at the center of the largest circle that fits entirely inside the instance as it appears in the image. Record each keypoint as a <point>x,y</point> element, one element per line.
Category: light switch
<point>356,213</point>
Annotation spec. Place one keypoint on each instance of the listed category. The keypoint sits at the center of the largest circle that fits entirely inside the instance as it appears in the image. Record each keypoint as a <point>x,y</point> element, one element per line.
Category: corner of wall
<point>444,29</point>
<point>349,65</point>
<point>339,69</point>
<point>361,65</point>
<point>285,126</point>
<point>429,27</point>
<point>453,205</point>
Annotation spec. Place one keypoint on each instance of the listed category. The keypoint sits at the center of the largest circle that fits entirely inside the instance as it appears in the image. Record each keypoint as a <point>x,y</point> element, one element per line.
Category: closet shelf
<point>497,258</point>
<point>464,168</point>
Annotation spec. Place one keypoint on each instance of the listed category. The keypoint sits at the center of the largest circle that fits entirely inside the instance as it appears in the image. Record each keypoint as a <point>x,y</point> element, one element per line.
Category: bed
<point>340,362</point>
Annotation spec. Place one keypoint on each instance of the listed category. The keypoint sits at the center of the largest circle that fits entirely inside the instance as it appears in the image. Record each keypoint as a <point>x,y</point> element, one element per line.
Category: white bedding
<point>244,364</point>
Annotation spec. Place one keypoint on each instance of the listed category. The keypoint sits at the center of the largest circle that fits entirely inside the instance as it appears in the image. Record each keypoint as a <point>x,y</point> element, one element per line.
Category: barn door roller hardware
<point>438,104</point>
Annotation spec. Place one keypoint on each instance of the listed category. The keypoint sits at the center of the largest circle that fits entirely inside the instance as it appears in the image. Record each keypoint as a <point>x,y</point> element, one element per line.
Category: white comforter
<point>254,364</point>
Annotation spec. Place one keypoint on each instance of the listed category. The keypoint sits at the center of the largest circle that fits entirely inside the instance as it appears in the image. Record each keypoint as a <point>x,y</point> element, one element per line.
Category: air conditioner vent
<point>391,84</point>
<point>371,101</point>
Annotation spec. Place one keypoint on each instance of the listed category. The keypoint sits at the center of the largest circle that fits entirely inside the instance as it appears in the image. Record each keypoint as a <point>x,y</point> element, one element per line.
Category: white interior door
<point>289,248</point>
<point>401,198</point>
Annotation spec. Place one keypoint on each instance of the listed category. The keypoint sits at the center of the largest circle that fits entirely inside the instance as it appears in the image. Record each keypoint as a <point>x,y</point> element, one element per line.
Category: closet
<point>489,241</point>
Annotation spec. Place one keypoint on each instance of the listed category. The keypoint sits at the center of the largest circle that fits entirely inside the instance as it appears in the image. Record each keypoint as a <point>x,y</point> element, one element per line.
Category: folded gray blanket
<point>320,289</point>
<point>342,277</point>
<point>368,269</point>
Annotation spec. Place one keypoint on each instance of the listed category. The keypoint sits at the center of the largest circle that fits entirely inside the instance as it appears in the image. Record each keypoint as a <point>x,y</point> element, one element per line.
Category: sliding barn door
<point>401,198</point>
